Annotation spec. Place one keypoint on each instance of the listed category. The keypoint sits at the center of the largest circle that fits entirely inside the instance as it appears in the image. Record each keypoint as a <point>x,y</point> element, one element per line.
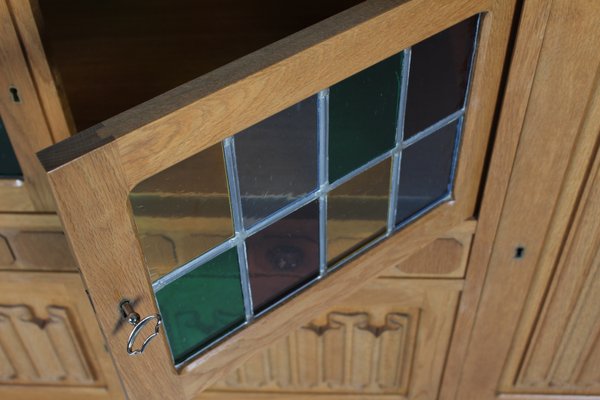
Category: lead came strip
<point>396,162</point>
<point>323,130</point>
<point>355,197</point>
<point>238,223</point>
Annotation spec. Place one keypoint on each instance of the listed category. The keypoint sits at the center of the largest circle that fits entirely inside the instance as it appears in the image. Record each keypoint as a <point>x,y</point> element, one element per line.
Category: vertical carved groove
<point>66,343</point>
<point>347,353</point>
<point>15,348</point>
<point>36,350</point>
<point>564,351</point>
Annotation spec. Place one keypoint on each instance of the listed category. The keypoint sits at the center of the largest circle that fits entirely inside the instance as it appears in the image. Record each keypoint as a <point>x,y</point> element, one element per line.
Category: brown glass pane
<point>277,160</point>
<point>357,211</point>
<point>284,256</point>
<point>439,72</point>
<point>183,211</point>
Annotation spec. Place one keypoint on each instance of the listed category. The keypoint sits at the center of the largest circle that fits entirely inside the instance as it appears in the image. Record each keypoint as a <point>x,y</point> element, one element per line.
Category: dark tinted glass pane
<point>183,211</point>
<point>277,160</point>
<point>9,167</point>
<point>363,113</point>
<point>425,171</point>
<point>284,256</point>
<point>357,211</point>
<point>202,305</point>
<point>438,77</point>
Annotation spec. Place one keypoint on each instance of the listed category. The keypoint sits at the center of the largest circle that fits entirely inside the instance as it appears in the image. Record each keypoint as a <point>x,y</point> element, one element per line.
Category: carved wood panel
<point>389,339</point>
<point>563,355</point>
<point>50,344</point>
<point>445,257</point>
<point>35,250</point>
<point>349,353</point>
<point>37,349</point>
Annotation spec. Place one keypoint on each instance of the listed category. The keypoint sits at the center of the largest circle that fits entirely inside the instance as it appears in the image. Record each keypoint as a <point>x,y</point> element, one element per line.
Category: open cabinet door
<point>217,217</point>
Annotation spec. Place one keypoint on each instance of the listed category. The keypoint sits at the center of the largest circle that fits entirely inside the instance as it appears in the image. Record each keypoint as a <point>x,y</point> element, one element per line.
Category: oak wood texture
<point>389,339</point>
<point>445,257</point>
<point>14,196</point>
<point>91,187</point>
<point>50,346</point>
<point>517,93</point>
<point>24,120</point>
<point>558,141</point>
<point>33,242</point>
<point>563,353</point>
<point>29,25</point>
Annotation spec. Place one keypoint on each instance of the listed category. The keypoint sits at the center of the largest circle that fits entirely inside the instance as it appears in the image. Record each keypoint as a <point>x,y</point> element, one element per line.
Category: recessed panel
<point>277,160</point>
<point>425,172</point>
<point>283,256</point>
<point>363,116</point>
<point>183,211</point>
<point>357,211</point>
<point>439,72</point>
<point>202,305</point>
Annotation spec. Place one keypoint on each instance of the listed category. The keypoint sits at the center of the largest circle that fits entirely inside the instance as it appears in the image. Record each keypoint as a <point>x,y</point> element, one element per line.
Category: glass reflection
<point>202,305</point>
<point>357,211</point>
<point>439,72</point>
<point>183,211</point>
<point>277,160</point>
<point>284,256</point>
<point>425,171</point>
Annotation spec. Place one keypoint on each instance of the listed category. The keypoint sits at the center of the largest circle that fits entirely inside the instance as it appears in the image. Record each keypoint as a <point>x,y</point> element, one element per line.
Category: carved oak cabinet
<point>335,199</point>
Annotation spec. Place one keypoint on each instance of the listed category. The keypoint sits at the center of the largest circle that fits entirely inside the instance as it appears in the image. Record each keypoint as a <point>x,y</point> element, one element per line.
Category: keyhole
<point>519,252</point>
<point>14,93</point>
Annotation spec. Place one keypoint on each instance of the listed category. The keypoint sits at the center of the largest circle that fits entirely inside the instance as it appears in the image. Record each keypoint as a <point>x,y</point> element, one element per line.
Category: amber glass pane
<point>183,211</point>
<point>425,172</point>
<point>283,256</point>
<point>439,72</point>
<point>9,166</point>
<point>363,115</point>
<point>277,160</point>
<point>357,211</point>
<point>202,305</point>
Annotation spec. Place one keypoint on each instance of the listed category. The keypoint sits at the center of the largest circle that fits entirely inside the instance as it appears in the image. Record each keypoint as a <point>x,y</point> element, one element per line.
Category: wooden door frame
<point>92,173</point>
<point>40,117</point>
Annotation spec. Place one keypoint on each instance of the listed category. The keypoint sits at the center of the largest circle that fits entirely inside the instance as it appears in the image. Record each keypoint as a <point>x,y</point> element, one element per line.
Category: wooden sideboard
<point>502,304</point>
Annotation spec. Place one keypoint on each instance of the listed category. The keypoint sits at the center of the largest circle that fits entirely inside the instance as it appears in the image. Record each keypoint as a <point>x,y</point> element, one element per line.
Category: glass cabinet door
<point>217,217</point>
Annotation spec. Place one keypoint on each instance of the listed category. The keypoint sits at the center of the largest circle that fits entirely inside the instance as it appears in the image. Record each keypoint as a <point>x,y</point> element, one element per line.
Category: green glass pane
<point>357,211</point>
<point>202,305</point>
<point>363,114</point>
<point>183,211</point>
<point>9,167</point>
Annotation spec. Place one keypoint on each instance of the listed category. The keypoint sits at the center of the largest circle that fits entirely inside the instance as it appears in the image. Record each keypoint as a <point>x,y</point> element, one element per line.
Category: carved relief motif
<point>33,250</point>
<point>40,350</point>
<point>348,353</point>
<point>563,354</point>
